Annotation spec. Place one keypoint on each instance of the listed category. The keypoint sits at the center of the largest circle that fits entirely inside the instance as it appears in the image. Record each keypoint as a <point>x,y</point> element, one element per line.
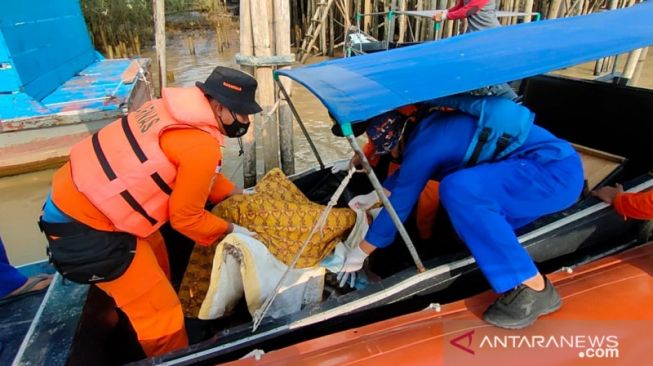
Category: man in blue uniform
<point>497,171</point>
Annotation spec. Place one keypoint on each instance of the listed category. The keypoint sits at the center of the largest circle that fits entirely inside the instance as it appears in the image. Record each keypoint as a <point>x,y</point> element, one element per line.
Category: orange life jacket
<point>121,168</point>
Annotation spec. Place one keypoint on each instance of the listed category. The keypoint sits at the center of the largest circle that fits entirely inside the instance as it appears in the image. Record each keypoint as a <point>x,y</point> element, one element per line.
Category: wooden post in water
<point>502,5</point>
<point>282,47</point>
<point>390,23</point>
<point>346,14</point>
<point>586,6</point>
<point>349,11</point>
<point>448,23</point>
<point>640,65</point>
<point>513,6</point>
<point>430,27</point>
<point>374,20</point>
<point>260,17</point>
<point>307,15</point>
<point>441,31</point>
<point>418,22</point>
<point>332,31</point>
<point>191,45</point>
<point>160,40</point>
<point>249,140</point>
<point>554,9</point>
<point>631,64</point>
<point>323,34</point>
<point>528,9</point>
<point>137,44</point>
<point>297,32</point>
<point>218,38</point>
<point>576,7</point>
<point>367,8</point>
<point>601,63</point>
<point>402,22</point>
<point>426,5</point>
<point>103,39</point>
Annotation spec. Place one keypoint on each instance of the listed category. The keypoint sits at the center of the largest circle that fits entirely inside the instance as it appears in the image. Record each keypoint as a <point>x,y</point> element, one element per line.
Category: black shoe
<point>520,307</point>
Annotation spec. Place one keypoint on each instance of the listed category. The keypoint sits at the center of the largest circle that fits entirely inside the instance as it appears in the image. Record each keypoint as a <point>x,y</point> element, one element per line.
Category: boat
<point>453,334</point>
<point>581,111</point>
<point>55,88</point>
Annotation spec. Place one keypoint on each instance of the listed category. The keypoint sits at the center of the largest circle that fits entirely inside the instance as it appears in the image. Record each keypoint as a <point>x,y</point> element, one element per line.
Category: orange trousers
<point>427,205</point>
<point>146,296</point>
<point>427,208</point>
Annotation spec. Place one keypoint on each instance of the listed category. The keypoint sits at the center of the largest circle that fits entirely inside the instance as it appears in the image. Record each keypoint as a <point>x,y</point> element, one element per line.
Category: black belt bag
<point>85,255</point>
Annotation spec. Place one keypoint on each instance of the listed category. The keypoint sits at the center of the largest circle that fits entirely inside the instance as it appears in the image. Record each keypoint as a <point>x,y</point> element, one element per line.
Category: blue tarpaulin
<point>48,65</point>
<point>42,45</point>
<point>355,89</point>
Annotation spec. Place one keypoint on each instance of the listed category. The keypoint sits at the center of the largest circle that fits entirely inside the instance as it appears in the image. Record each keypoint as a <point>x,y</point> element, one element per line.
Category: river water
<point>21,196</point>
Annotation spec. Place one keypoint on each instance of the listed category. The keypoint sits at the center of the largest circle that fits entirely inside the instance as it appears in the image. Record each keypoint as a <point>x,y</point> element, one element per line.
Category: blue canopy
<point>357,88</point>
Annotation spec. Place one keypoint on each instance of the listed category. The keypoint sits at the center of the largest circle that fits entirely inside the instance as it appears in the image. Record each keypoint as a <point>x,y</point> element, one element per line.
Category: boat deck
<point>17,316</point>
<point>39,329</point>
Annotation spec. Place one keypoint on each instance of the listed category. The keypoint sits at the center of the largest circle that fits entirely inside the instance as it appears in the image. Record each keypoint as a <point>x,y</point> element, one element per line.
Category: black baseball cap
<point>233,88</point>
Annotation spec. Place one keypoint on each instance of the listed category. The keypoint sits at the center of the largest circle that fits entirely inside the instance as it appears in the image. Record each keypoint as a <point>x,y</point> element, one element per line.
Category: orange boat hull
<point>606,319</point>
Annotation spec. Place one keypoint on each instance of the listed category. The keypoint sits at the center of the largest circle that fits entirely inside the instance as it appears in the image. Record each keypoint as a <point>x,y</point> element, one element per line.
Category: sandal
<point>28,288</point>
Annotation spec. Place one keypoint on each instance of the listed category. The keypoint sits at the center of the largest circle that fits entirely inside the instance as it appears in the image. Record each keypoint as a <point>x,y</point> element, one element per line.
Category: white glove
<point>364,201</point>
<point>237,229</point>
<point>340,166</point>
<point>354,259</point>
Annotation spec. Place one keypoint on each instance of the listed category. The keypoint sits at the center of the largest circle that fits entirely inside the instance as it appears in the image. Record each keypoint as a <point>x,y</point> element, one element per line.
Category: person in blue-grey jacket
<point>14,285</point>
<point>498,172</point>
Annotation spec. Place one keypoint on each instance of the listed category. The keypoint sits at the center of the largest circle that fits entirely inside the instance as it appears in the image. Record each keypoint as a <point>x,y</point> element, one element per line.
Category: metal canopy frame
<point>378,188</point>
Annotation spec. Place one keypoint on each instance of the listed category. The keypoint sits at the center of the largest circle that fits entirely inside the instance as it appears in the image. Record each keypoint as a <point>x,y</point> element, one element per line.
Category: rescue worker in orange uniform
<point>634,205</point>
<point>160,163</point>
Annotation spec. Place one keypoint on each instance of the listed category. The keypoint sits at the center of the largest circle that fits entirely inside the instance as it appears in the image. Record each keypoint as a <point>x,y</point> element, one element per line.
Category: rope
<point>141,76</point>
<point>319,225</point>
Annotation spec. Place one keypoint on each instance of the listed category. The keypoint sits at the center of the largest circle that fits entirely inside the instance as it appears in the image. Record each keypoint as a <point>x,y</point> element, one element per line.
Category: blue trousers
<point>10,278</point>
<point>486,203</point>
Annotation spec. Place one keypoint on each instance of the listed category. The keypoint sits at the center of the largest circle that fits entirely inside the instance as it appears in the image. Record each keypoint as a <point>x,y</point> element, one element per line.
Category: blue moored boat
<point>55,88</point>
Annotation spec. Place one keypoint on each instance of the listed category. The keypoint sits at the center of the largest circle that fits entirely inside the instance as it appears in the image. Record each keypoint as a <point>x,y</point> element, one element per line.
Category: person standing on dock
<point>498,171</point>
<point>159,164</point>
<point>480,15</point>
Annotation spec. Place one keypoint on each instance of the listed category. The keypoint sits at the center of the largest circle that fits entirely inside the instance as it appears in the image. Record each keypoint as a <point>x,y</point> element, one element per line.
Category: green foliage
<point>111,22</point>
<point>130,22</point>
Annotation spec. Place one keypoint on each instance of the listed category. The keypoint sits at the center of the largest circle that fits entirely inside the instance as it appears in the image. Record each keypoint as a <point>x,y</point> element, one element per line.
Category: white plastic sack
<point>243,266</point>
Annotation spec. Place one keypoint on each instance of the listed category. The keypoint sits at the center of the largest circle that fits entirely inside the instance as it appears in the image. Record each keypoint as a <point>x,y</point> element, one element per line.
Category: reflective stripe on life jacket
<point>121,168</point>
<point>503,125</point>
